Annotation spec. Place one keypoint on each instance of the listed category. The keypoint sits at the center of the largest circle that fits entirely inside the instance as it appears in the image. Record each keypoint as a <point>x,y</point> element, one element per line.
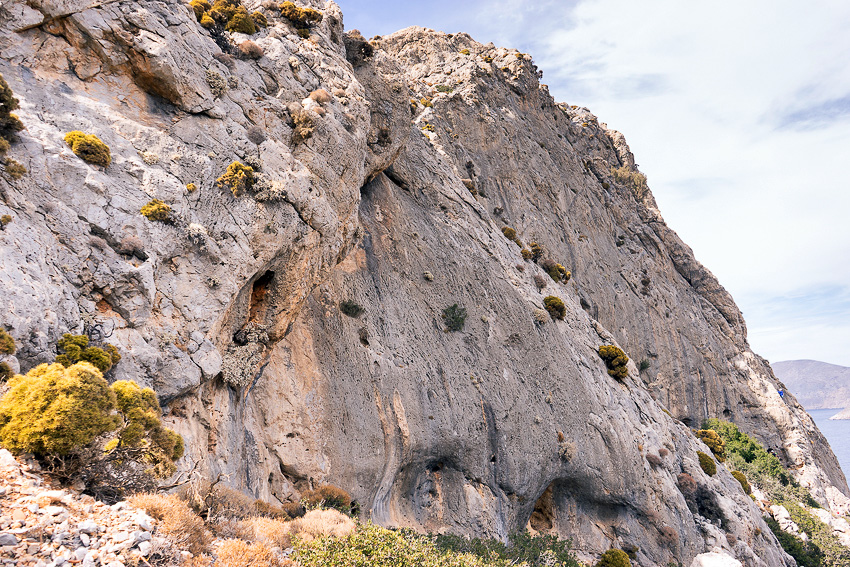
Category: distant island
<point>816,385</point>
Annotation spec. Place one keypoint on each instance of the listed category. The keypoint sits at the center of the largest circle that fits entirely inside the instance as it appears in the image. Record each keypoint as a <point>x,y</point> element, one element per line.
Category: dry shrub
<point>663,452</point>
<point>237,553</point>
<point>540,281</point>
<point>274,533</point>
<point>687,484</point>
<point>250,49</point>
<point>318,523</point>
<point>176,520</point>
<point>294,509</point>
<point>329,496</point>
<point>654,459</point>
<point>668,537</point>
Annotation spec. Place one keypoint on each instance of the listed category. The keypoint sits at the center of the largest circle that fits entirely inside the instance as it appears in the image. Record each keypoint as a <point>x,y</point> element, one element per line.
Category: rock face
<point>817,385</point>
<point>392,194</point>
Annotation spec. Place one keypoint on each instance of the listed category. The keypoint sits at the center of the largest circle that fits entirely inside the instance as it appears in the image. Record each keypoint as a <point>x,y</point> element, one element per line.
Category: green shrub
<point>7,343</point>
<point>707,463</point>
<point>741,478</point>
<point>53,409</point>
<point>381,547</point>
<point>464,51</point>
<point>260,19</point>
<point>714,442</point>
<point>9,123</point>
<point>522,549</point>
<point>455,317</point>
<point>615,359</point>
<point>526,254</point>
<point>555,306</point>
<point>805,553</point>
<point>4,220</point>
<point>75,348</point>
<point>509,232</point>
<point>644,365</point>
<point>237,178</point>
<point>89,148</point>
<point>191,187</point>
<point>444,89</point>
<point>351,308</point>
<point>5,372</point>
<point>156,210</point>
<point>614,558</point>
<point>241,22</point>
<point>302,18</point>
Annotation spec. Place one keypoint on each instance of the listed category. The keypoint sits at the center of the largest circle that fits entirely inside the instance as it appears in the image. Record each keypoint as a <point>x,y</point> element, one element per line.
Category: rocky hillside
<point>817,385</point>
<point>382,176</point>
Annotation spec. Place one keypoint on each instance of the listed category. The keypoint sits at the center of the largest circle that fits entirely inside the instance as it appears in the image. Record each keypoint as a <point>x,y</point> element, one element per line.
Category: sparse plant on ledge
<point>237,178</point>
<point>454,317</point>
<point>615,359</point>
<point>555,306</point>
<point>302,18</point>
<point>9,123</point>
<point>556,271</point>
<point>156,210</point>
<point>644,365</point>
<point>631,178</point>
<point>351,308</point>
<point>89,148</point>
<point>4,220</point>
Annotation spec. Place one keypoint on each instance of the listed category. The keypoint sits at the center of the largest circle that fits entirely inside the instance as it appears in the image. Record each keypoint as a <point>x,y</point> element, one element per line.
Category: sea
<point>837,433</point>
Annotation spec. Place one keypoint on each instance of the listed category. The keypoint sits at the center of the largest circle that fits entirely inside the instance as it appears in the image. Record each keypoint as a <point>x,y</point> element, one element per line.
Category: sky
<point>737,112</point>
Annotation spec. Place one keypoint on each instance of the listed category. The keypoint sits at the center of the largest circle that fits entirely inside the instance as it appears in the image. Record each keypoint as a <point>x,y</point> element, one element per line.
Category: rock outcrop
<point>386,172</point>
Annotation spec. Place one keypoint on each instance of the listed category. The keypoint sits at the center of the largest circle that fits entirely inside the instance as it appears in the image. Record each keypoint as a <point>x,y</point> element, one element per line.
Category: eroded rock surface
<point>390,189</point>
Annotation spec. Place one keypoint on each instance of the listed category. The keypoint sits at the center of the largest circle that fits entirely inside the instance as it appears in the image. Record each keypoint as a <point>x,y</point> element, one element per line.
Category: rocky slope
<point>423,146</point>
<point>817,385</point>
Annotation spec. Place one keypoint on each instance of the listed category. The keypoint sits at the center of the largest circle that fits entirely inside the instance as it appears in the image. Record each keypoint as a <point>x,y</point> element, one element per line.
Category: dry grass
<point>267,530</point>
<point>176,520</point>
<point>318,523</point>
<point>237,553</point>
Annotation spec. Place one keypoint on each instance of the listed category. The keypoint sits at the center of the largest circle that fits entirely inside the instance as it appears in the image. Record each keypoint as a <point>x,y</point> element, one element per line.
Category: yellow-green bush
<point>714,442</point>
<point>745,484</point>
<point>555,306</point>
<point>301,18</point>
<point>143,428</point>
<point>52,409</point>
<point>89,148</point>
<point>614,558</point>
<point>76,349</point>
<point>237,178</point>
<point>4,220</point>
<point>15,169</point>
<point>241,22</point>
<point>707,463</point>
<point>156,210</point>
<point>7,343</point>
<point>509,232</point>
<point>615,359</point>
<point>228,14</point>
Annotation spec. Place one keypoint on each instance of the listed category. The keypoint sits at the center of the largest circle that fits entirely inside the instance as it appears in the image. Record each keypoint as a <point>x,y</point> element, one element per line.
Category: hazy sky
<point>737,112</point>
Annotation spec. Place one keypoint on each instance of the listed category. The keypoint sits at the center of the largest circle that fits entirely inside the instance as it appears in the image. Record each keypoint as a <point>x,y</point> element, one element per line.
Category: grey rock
<point>89,527</point>
<point>482,431</point>
<point>8,539</point>
<point>80,553</point>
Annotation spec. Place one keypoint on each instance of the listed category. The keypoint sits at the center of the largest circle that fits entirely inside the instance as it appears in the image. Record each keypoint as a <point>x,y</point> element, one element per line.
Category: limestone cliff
<point>389,187</point>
